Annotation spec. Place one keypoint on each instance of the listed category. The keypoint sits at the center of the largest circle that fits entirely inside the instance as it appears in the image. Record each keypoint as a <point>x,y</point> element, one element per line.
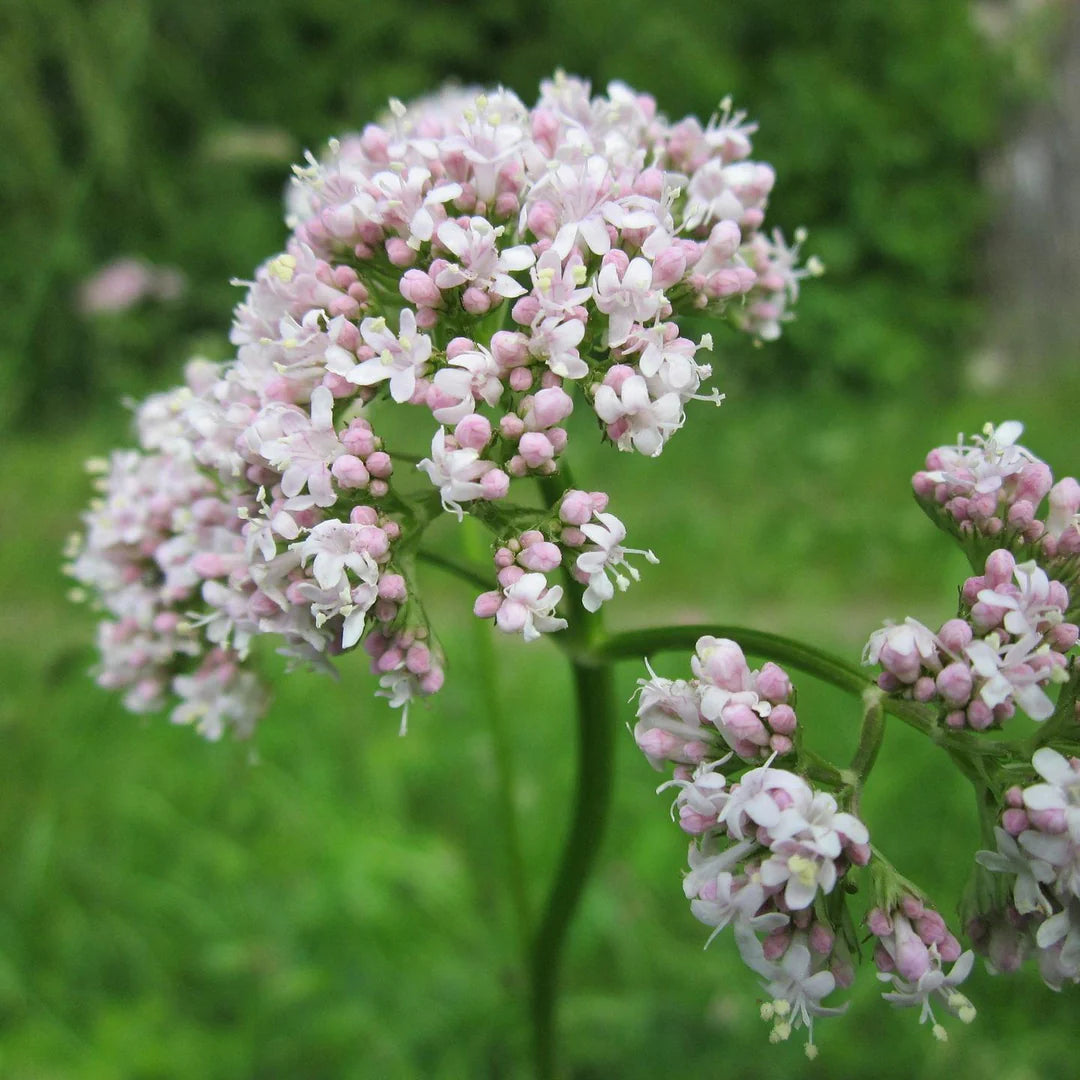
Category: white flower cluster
<point>1038,846</point>
<point>475,260</point>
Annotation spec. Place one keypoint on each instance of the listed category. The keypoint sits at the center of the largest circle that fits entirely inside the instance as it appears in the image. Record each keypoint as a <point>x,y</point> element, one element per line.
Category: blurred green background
<point>330,900</point>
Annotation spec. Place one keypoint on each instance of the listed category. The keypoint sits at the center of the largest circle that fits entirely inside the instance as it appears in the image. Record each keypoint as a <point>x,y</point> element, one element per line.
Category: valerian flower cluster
<point>489,267</point>
<point>778,853</point>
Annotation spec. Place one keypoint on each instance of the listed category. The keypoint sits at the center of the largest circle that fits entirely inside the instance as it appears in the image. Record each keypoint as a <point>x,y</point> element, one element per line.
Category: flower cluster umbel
<point>488,266</point>
<point>770,850</point>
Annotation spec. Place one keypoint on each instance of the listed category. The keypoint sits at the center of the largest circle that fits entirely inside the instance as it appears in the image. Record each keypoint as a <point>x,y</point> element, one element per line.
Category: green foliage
<point>125,125</point>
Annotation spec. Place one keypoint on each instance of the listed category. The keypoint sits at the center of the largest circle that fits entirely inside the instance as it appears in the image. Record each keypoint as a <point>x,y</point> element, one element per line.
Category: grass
<point>332,901</point>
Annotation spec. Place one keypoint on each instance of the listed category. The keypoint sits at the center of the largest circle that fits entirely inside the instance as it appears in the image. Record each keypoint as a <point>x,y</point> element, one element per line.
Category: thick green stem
<point>597,729</point>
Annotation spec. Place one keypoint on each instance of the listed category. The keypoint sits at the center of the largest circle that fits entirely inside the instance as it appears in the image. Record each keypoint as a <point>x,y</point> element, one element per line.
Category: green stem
<point>871,735</point>
<point>597,727</point>
<point>458,569</point>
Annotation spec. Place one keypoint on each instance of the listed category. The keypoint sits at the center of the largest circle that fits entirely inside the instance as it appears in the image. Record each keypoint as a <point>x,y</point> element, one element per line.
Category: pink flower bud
<point>955,635</point>
<point>954,683</point>
<point>1000,565</point>
<point>773,685</point>
<point>548,407</point>
<point>543,557</point>
<point>510,348</point>
<point>741,722</point>
<point>456,346</point>
<point>525,310</point>
<point>363,515</point>
<point>487,604</point>
<point>349,472</point>
<point>668,267</point>
<point>780,744</point>
<point>979,715</point>
<point>618,258</point>
<point>495,484</point>
<point>475,301</point>
<point>358,438</point>
<point>1014,821</point>
<point>1048,821</point>
<point>782,719</point>
<point>473,431</point>
<point>722,662</point>
<point>576,507</point>
<point>379,464</point>
<point>511,426</point>
<point>879,923</point>
<point>418,659</point>
<point>535,449</point>
<point>521,379</point>
<point>821,939</point>
<point>373,540</point>
<point>399,253</point>
<point>432,682</point>
<point>924,689</point>
<point>543,219</point>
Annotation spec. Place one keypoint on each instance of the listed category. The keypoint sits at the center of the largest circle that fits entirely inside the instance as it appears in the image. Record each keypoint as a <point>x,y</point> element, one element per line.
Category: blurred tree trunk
<point>1033,252</point>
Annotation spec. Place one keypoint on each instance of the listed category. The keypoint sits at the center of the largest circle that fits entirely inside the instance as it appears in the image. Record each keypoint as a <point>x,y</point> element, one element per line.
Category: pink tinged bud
<point>955,635</point>
<point>543,219</point>
<point>776,944</point>
<point>392,587</point>
<point>1014,796</point>
<point>1035,481</point>
<point>548,408</point>
<point>694,823</point>
<point>426,317</point>
<point>616,375</point>
<point>782,720</point>
<point>358,439</point>
<point>723,663</point>
<point>487,604</point>
<point>1048,821</point>
<point>473,431</point>
<point>1063,636</point>
<point>399,253</point>
<point>912,956</point>
<point>1058,595</point>
<point>549,380</point>
<point>458,346</point>
<point>924,689</point>
<point>495,484</point>
<point>373,540</point>
<point>617,258</point>
<point>521,379</point>
<point>1021,515</point>
<point>504,557</point>
<point>167,621</point>
<point>773,685</point>
<point>858,854</point>
<point>510,348</point>
<point>363,515</point>
<point>878,922</point>
<point>888,682</point>
<point>821,939</point>
<point>418,659</point>
<point>1014,822</point>
<point>576,507</point>
<point>668,267</point>
<point>1000,565</point>
<point>349,472</point>
<point>390,660</point>
<point>378,488</point>
<point>509,574</point>
<point>339,386</point>
<point>511,426</point>
<point>379,464</point>
<point>263,606</point>
<point>475,301</point>
<point>949,949</point>
<point>954,684</point>
<point>517,466</point>
<point>535,449</point>
<point>744,724</point>
<point>525,310</point>
<point>931,928</point>
<point>542,557</point>
<point>780,744</point>
<point>659,744</point>
<point>912,906</point>
<point>979,715</point>
<point>432,682</point>
<point>923,486</point>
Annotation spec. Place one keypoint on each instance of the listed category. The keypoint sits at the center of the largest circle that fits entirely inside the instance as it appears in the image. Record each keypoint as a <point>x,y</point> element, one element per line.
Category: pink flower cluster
<point>913,943</point>
<point>768,846</point>
<point>1038,848</point>
<point>724,705</point>
<point>1009,643</point>
<point>991,491</point>
<point>474,260</point>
